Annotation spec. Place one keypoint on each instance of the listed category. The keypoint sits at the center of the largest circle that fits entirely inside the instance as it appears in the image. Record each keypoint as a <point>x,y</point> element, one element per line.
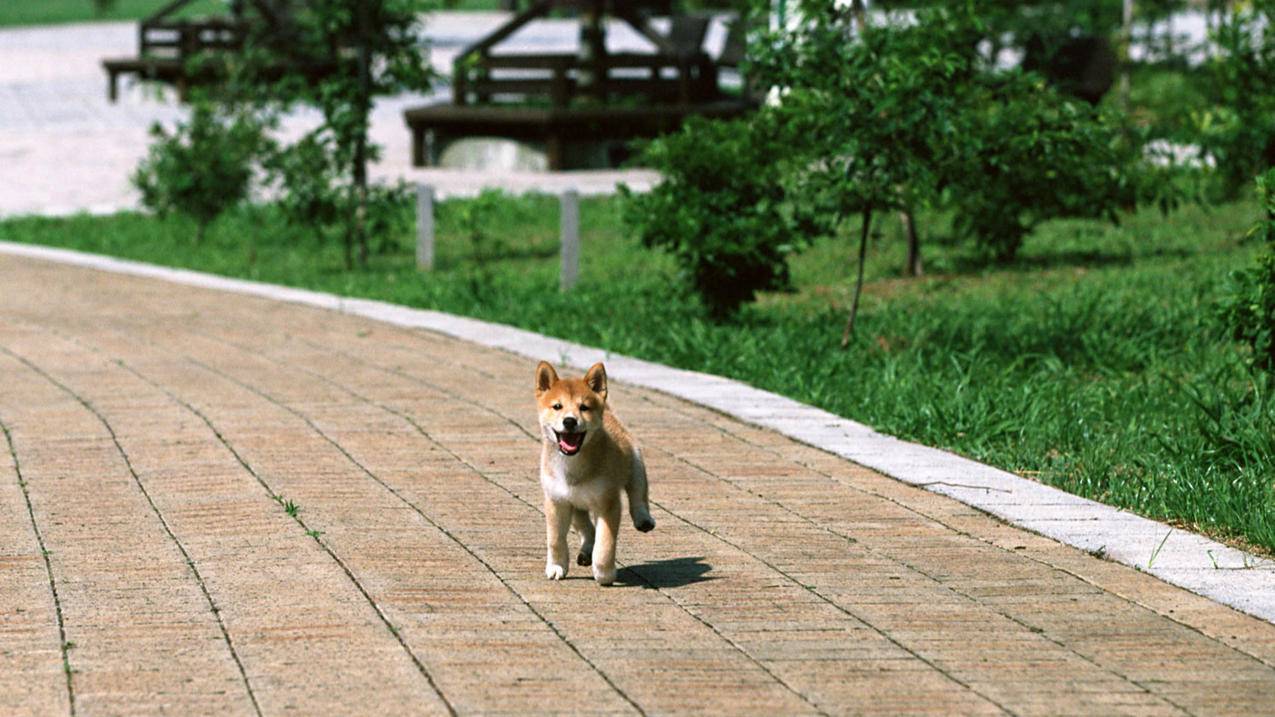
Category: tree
<point>1238,129</point>
<point>341,55</point>
<point>902,114</point>
<point>1248,308</point>
<point>337,56</point>
<point>1026,155</point>
<point>720,209</point>
<point>870,109</point>
<point>202,168</point>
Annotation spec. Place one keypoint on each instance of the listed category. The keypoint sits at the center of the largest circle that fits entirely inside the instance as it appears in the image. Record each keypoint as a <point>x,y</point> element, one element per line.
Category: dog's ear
<point>596,380</point>
<point>546,377</point>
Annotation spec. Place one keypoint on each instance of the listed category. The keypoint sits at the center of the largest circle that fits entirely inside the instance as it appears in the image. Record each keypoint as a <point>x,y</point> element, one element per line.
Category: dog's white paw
<point>604,577</point>
<point>555,572</point>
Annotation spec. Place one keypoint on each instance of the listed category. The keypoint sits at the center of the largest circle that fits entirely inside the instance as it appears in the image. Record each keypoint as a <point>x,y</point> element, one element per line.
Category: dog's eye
<point>583,408</point>
<point>557,406</point>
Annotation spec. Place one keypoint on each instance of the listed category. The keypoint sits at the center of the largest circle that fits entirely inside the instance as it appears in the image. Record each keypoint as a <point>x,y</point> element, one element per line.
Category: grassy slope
<point>51,12</point>
<point>1092,364</point>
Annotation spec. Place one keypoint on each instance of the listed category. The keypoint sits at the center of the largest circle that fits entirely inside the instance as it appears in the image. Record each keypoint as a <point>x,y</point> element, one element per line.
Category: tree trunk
<point>858,287</point>
<point>914,267</point>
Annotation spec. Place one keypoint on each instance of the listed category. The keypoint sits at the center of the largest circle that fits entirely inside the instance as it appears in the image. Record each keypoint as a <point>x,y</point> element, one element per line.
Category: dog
<point>586,461</point>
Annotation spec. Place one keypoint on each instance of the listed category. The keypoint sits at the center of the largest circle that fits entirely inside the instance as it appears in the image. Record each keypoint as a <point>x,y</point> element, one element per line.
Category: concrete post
<point>424,227</point>
<point>569,204</point>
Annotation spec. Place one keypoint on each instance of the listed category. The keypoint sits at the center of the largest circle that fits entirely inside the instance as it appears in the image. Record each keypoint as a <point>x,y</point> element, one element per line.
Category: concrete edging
<point>1203,566</point>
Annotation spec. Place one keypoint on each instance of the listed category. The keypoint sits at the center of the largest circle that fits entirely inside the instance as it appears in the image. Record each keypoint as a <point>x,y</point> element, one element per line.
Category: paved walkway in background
<point>153,435</point>
<point>64,148</point>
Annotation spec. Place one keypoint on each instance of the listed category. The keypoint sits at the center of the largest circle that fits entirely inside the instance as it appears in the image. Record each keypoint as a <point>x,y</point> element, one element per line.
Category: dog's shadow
<point>672,573</point>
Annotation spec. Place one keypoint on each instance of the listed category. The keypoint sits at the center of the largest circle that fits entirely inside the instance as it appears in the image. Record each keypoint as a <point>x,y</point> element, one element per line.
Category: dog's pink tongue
<point>570,442</point>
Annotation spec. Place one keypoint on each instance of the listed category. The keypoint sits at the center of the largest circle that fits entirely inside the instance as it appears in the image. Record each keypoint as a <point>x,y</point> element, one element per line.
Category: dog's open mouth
<point>569,443</point>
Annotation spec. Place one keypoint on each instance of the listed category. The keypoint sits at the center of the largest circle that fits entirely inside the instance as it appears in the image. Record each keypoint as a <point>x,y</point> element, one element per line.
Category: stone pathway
<point>212,503</point>
<point>64,148</point>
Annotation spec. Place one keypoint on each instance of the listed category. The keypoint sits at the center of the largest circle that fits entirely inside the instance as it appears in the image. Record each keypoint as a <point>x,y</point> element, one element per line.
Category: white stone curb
<point>1229,576</point>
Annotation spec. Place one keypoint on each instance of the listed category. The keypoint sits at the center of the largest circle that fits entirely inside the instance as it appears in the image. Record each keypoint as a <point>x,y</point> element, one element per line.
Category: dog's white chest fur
<point>564,479</point>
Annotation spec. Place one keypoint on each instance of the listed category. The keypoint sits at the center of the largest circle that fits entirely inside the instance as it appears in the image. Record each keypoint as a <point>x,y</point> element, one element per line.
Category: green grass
<point>52,12</point>
<point>1092,364</point>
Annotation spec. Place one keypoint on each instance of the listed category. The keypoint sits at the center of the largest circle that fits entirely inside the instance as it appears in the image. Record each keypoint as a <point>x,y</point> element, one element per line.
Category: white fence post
<point>424,227</point>
<point>569,204</point>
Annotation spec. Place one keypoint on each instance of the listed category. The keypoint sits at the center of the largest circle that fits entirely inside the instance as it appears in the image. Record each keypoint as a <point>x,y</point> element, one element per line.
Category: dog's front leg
<point>584,526</point>
<point>605,532</point>
<point>557,523</point>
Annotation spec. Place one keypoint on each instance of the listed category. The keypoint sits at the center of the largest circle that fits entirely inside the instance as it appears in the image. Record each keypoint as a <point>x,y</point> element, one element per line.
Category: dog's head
<point>571,408</point>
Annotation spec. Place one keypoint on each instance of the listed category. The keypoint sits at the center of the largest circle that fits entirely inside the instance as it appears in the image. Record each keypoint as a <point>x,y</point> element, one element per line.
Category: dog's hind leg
<point>584,526</point>
<point>639,503</point>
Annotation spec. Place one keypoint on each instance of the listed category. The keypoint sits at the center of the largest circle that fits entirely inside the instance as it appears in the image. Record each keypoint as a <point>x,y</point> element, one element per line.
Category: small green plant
<point>484,246</point>
<point>202,168</point>
<point>289,507</point>
<point>721,210</point>
<point>1248,307</point>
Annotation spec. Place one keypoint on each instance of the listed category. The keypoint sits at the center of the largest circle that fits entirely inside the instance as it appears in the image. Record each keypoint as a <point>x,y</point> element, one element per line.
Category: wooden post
<point>424,227</point>
<point>569,204</point>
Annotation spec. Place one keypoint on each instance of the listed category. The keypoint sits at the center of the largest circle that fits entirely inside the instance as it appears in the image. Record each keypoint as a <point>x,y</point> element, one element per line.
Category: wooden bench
<point>434,125</point>
<point>167,43</point>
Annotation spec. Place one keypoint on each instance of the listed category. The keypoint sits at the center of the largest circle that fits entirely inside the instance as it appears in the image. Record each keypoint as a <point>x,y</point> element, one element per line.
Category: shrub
<point>315,193</point>
<point>1028,155</point>
<point>1238,130</point>
<point>720,210</point>
<point>1248,309</point>
<point>202,168</point>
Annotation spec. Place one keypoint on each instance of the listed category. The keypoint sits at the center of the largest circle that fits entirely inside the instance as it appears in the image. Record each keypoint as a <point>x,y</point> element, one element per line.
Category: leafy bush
<point>1238,130</point>
<point>316,194</point>
<point>720,210</point>
<point>203,167</point>
<point>1029,155</point>
<point>1249,306</point>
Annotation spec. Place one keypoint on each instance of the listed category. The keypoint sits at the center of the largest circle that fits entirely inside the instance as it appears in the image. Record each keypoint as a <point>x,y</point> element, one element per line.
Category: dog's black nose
<point>569,423</point>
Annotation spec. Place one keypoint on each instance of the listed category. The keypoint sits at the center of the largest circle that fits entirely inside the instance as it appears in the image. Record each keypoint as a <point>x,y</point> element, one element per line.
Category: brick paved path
<point>153,434</point>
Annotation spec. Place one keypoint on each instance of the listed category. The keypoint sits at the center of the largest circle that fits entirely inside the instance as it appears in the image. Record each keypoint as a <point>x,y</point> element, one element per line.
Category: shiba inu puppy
<point>586,461</point>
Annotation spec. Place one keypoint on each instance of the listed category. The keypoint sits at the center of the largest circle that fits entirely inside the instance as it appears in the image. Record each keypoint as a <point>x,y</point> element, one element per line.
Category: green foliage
<point>1237,130</point>
<point>485,246</point>
<point>873,111</point>
<point>1248,308</point>
<point>1027,155</point>
<point>901,114</point>
<point>202,168</point>
<point>720,210</point>
<point>337,56</point>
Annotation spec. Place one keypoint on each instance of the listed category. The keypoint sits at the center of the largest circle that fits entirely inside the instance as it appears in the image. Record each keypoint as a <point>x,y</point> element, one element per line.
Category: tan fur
<point>583,489</point>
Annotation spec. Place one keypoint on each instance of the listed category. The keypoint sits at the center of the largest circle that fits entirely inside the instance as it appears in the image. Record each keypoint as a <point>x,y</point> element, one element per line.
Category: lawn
<point>52,12</point>
<point>1093,363</point>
